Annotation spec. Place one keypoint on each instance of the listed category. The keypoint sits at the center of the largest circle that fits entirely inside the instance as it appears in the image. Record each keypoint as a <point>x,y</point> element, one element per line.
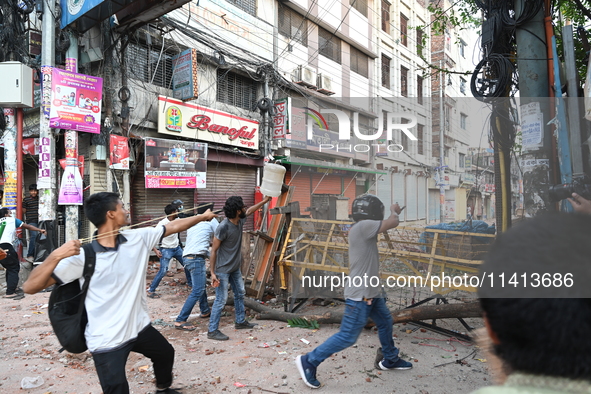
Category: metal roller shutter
<point>148,204</point>
<point>384,186</point>
<point>398,194</point>
<point>411,197</point>
<point>302,192</point>
<point>225,180</point>
<point>422,197</point>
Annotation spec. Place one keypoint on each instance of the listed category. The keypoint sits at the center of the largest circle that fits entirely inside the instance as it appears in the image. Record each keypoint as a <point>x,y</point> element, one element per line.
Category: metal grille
<point>329,45</point>
<point>146,64</point>
<point>249,6</point>
<point>359,5</point>
<point>403,30</point>
<point>385,71</point>
<point>403,81</point>
<point>420,90</point>
<point>359,62</point>
<point>292,25</point>
<point>385,16</point>
<point>236,90</point>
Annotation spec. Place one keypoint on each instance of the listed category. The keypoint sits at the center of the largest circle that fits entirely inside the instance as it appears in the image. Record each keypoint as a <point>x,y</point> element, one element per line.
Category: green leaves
<point>303,323</point>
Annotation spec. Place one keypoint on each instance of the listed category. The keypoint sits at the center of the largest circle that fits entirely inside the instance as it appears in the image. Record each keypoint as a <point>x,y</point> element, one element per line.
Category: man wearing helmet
<point>365,301</point>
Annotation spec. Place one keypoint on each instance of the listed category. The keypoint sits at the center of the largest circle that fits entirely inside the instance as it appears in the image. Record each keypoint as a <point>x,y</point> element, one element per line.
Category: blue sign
<point>74,9</point>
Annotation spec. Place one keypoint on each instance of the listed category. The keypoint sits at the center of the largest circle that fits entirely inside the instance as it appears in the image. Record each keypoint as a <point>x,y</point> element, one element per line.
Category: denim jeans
<point>354,319</point>
<point>110,365</point>
<point>167,254</point>
<point>32,239</point>
<point>234,279</point>
<point>12,266</point>
<point>196,267</point>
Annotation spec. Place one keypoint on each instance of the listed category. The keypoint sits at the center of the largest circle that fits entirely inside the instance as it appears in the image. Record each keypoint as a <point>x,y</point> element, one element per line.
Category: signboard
<point>71,190</point>
<point>9,190</point>
<point>172,164</point>
<point>281,121</point>
<point>184,75</point>
<point>44,181</point>
<point>30,146</point>
<point>119,152</point>
<point>74,9</point>
<point>75,101</point>
<point>205,124</point>
<point>531,125</point>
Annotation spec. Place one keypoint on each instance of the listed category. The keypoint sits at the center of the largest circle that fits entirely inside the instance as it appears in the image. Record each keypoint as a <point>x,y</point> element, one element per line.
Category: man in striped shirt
<point>31,211</point>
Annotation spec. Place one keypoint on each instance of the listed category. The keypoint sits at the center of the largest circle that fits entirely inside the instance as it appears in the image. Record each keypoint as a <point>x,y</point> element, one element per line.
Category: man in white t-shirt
<point>8,226</point>
<point>118,320</point>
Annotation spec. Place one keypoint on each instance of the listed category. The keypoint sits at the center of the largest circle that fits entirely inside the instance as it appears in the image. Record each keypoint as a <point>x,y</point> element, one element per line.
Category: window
<point>249,6</point>
<point>329,45</point>
<point>292,25</point>
<point>447,40</point>
<point>463,46</point>
<point>146,64</point>
<point>403,81</point>
<point>462,160</point>
<point>419,42</point>
<point>420,89</point>
<point>462,85</point>
<point>420,142</point>
<point>236,90</point>
<point>403,30</point>
<point>359,62</point>
<point>386,71</point>
<point>404,137</point>
<point>463,119</point>
<point>385,16</point>
<point>359,5</point>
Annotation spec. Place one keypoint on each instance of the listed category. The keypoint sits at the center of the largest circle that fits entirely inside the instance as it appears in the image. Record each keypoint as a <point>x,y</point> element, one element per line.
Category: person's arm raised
<point>393,220</point>
<point>258,206</point>
<point>178,225</point>
<point>40,277</point>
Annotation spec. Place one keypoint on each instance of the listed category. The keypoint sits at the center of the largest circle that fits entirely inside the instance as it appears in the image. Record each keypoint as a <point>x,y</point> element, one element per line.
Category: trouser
<point>355,318</point>
<point>110,365</point>
<point>234,280</point>
<point>32,239</point>
<point>196,266</point>
<point>12,266</point>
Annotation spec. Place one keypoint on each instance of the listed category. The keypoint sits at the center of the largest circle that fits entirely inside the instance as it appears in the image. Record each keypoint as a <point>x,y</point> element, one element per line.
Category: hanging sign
<point>119,152</point>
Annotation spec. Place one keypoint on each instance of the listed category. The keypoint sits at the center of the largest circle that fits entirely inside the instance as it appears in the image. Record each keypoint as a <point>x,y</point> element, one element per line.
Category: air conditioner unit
<point>325,84</point>
<point>304,75</point>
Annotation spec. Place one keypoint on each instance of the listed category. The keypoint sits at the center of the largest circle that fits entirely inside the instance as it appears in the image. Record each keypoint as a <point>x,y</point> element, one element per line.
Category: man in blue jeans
<point>225,265</point>
<point>196,251</point>
<point>364,298</point>
<point>169,248</point>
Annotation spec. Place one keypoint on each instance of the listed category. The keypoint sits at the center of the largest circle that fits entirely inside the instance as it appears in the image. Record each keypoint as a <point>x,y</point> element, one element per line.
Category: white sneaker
<point>30,259</point>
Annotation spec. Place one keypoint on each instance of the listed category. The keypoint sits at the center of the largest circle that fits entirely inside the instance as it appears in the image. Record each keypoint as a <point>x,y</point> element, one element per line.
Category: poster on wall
<point>9,199</point>
<point>119,152</point>
<point>75,101</point>
<point>71,187</point>
<point>175,164</point>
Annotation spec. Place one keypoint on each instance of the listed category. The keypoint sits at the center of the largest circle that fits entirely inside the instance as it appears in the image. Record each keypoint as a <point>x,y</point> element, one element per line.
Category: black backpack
<point>67,313</point>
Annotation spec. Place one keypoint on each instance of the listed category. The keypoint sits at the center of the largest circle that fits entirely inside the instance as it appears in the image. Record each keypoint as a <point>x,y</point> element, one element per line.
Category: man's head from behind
<point>171,209</point>
<point>33,192</point>
<point>541,330</point>
<point>234,206</point>
<point>367,207</point>
<point>4,212</point>
<point>104,206</point>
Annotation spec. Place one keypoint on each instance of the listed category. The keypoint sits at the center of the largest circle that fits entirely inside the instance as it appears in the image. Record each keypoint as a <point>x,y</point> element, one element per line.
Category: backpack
<point>66,309</point>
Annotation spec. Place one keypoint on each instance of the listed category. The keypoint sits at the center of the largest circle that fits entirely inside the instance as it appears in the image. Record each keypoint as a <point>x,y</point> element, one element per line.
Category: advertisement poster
<point>80,164</point>
<point>281,118</point>
<point>119,153</point>
<point>31,146</point>
<point>75,101</point>
<point>71,187</point>
<point>184,75</point>
<point>44,181</point>
<point>175,164</point>
<point>9,190</point>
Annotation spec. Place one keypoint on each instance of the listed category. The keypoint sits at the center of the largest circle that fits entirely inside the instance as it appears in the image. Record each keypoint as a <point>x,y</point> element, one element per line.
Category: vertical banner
<point>71,187</point>
<point>44,181</point>
<point>184,75</point>
<point>281,119</point>
<point>31,146</point>
<point>46,90</point>
<point>9,190</point>
<point>75,101</point>
<point>119,152</point>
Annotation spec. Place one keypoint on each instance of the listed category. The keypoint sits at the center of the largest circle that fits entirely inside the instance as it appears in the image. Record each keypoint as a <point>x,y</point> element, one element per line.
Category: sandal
<point>170,274</point>
<point>15,296</point>
<point>185,327</point>
<point>153,295</point>
<point>205,315</point>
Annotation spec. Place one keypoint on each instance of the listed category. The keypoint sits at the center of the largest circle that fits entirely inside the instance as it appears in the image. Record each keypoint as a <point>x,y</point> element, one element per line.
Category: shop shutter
<point>398,193</point>
<point>384,186</point>
<point>302,192</point>
<point>434,206</point>
<point>148,204</point>
<point>422,197</point>
<point>225,180</point>
<point>411,198</point>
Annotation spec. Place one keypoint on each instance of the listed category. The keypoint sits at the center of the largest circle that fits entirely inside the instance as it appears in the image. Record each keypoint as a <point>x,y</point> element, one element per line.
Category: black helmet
<point>367,207</point>
<point>177,202</point>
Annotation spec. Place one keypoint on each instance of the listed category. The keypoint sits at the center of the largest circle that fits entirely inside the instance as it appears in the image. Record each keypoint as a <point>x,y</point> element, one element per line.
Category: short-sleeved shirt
<point>8,226</point>
<point>228,255</point>
<point>199,237</point>
<point>32,206</point>
<point>363,260</point>
<point>116,300</point>
<point>172,241</point>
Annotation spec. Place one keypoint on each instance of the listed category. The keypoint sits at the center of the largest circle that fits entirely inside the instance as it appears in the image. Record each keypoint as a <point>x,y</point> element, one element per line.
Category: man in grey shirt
<point>364,297</point>
<point>225,262</point>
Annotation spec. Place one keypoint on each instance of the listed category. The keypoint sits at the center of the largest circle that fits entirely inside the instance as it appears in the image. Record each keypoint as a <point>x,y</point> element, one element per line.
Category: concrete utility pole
<point>533,84</point>
<point>441,146</point>
<point>47,174</point>
<point>71,138</point>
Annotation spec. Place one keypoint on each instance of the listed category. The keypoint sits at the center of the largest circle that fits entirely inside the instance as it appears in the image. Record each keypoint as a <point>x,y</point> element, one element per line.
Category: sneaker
<point>244,325</point>
<point>169,390</point>
<point>30,259</point>
<point>217,335</point>
<point>400,365</point>
<point>379,357</point>
<point>307,371</point>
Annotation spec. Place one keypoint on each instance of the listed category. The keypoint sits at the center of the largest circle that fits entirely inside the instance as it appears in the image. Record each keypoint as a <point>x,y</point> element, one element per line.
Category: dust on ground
<point>261,359</point>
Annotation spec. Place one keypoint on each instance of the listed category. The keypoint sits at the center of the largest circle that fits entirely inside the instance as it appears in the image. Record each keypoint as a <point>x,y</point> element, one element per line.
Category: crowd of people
<point>539,350</point>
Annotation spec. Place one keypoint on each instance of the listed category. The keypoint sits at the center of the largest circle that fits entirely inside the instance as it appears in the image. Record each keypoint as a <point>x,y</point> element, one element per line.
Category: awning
<point>298,161</point>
